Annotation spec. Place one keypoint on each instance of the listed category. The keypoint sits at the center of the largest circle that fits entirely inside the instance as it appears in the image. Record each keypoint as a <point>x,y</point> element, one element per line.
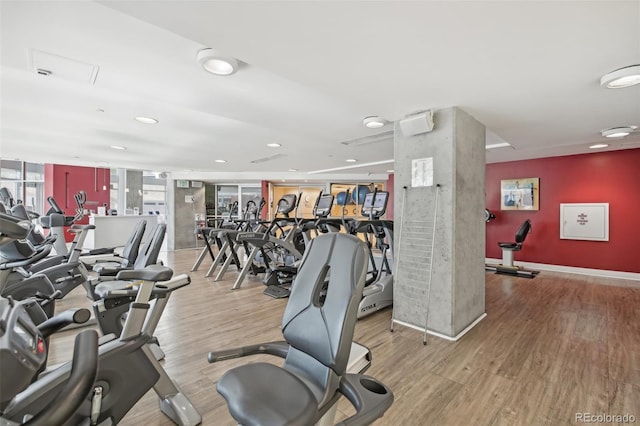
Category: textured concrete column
<point>134,191</point>
<point>457,146</point>
<point>184,212</point>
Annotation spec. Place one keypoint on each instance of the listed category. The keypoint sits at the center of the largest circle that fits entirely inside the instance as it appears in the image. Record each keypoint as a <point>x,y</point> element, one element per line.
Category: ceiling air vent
<point>269,158</point>
<point>48,64</point>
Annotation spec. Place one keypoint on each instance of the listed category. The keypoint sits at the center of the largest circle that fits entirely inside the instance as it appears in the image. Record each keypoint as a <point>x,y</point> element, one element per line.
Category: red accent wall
<point>606,177</point>
<point>63,182</point>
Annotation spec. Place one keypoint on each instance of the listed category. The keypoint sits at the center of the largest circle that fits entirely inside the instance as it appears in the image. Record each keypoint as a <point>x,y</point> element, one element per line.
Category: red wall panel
<point>390,183</point>
<point>606,177</point>
<point>63,182</point>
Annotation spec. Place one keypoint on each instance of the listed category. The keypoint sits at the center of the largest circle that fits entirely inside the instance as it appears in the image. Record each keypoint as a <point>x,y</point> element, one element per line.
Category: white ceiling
<point>310,72</point>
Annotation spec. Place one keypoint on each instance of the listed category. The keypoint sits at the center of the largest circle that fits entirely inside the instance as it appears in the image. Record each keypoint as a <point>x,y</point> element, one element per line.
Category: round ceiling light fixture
<point>374,122</point>
<point>618,132</point>
<point>146,120</point>
<point>623,77</point>
<point>216,63</point>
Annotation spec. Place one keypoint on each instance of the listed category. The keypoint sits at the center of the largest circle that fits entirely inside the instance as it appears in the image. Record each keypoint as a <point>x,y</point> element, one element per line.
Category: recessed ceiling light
<point>221,161</point>
<point>293,170</point>
<point>618,132</point>
<point>390,171</point>
<point>374,122</point>
<point>274,145</point>
<point>351,160</point>
<point>146,120</point>
<point>623,77</point>
<point>217,64</point>
<point>599,145</point>
<point>119,147</point>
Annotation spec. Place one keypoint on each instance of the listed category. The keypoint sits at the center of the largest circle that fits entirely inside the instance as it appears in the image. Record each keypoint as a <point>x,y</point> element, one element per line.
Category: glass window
<point>154,187</point>
<point>250,193</point>
<point>34,172</point>
<point>227,195</point>
<point>34,196</point>
<point>10,170</point>
<point>25,181</point>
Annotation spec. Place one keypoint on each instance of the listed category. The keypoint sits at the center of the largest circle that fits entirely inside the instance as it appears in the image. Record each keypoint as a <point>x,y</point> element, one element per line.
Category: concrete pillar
<point>187,202</point>
<point>133,190</point>
<point>457,147</point>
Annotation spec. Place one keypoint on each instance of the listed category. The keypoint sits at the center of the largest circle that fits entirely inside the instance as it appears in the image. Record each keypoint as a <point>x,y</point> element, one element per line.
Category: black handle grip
<point>84,369</point>
<point>56,323</point>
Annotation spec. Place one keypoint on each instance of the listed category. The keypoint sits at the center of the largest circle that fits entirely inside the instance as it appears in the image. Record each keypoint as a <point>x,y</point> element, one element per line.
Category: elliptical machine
<point>378,293</point>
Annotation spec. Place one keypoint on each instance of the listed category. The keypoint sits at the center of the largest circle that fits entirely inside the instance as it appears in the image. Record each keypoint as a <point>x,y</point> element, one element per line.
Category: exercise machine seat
<point>509,248</point>
<point>319,332</point>
<point>292,403</point>
<point>521,235</point>
<point>127,280</point>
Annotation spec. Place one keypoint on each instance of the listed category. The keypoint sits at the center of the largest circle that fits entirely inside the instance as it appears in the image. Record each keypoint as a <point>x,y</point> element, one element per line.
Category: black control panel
<point>23,351</point>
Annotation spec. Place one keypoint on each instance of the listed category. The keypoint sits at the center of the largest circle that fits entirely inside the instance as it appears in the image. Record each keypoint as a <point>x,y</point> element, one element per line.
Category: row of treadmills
<point>275,248</point>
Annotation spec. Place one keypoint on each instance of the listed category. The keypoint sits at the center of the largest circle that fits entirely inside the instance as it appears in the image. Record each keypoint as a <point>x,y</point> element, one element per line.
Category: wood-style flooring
<point>549,348</point>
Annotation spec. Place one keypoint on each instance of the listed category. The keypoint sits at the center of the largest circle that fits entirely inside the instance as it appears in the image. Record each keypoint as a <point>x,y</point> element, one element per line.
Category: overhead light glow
<point>599,145</point>
<point>274,145</point>
<point>623,77</point>
<point>498,145</point>
<point>293,170</point>
<point>351,160</point>
<point>146,120</point>
<point>119,147</point>
<point>221,161</point>
<point>390,171</point>
<point>373,122</point>
<point>618,132</point>
<point>217,64</point>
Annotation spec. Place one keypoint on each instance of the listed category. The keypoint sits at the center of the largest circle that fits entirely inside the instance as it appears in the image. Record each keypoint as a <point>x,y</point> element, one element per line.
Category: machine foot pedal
<point>276,292</point>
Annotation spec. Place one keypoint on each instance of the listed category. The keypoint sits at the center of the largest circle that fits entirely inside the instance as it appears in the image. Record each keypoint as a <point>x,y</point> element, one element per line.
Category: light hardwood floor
<point>549,348</point>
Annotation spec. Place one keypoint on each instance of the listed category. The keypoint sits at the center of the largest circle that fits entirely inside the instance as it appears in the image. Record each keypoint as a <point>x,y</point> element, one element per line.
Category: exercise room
<point>317,213</point>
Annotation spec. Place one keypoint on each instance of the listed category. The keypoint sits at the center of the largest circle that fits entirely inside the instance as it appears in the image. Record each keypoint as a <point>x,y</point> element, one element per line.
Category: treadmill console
<point>23,351</point>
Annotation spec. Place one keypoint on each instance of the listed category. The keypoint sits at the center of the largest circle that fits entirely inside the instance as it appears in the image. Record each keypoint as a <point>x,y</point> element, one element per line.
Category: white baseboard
<point>443,336</point>
<point>572,270</point>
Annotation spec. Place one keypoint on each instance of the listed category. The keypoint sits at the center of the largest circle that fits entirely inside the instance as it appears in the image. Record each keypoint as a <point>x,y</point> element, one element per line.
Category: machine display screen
<point>381,200</point>
<point>25,335</point>
<point>325,203</point>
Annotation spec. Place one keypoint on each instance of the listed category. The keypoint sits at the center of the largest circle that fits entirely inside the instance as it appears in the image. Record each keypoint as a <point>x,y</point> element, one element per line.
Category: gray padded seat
<point>150,273</point>
<point>289,401</point>
<point>319,337</point>
<point>147,256</point>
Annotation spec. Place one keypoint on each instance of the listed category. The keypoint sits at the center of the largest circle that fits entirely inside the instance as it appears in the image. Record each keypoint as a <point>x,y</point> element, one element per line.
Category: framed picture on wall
<point>520,194</point>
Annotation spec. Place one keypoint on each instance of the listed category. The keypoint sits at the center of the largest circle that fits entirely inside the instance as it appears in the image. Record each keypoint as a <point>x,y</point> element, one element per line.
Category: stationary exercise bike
<point>127,369</point>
